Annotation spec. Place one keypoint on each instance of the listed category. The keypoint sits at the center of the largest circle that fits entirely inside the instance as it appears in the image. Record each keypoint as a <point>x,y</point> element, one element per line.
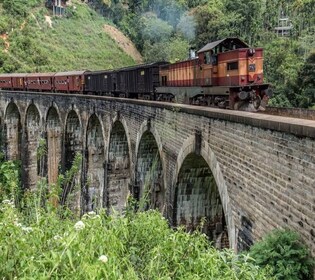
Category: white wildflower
<point>79,225</point>
<point>57,237</point>
<point>27,229</point>
<point>8,202</point>
<point>17,224</point>
<point>91,213</point>
<point>103,258</point>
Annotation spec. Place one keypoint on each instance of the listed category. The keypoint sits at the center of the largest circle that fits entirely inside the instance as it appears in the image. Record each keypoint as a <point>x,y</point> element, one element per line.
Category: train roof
<point>100,72</point>
<point>227,42</point>
<point>71,73</point>
<point>13,75</point>
<point>49,74</point>
<point>146,65</point>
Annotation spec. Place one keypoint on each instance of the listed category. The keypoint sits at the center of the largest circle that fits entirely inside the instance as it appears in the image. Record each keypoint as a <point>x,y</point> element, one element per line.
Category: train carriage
<point>139,81</point>
<point>70,82</point>
<point>99,82</point>
<point>39,81</point>
<point>5,81</point>
<point>14,81</point>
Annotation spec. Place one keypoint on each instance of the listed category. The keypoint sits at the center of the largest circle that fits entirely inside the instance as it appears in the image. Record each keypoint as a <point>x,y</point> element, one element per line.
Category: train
<point>226,74</point>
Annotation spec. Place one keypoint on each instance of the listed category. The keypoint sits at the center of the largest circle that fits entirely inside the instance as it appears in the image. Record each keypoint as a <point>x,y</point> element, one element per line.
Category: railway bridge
<point>246,173</point>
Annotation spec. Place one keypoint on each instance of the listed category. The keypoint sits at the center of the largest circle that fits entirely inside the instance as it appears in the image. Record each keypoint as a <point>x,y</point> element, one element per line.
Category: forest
<point>168,29</point>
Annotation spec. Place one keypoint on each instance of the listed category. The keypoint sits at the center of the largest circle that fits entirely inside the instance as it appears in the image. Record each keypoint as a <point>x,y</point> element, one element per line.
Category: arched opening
<point>32,140</point>
<point>53,129</point>
<point>197,201</point>
<point>118,169</point>
<point>72,145</point>
<point>149,174</point>
<point>94,164</point>
<point>12,132</point>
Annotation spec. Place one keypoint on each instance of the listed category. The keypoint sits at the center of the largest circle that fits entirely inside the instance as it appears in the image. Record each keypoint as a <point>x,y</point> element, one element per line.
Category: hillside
<point>32,40</point>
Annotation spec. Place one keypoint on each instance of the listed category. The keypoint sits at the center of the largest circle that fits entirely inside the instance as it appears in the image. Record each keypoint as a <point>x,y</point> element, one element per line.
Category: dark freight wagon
<point>100,82</point>
<point>139,81</point>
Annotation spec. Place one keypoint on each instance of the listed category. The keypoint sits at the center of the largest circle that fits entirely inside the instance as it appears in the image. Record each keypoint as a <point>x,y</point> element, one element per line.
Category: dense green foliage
<point>141,246</point>
<point>286,255</point>
<point>158,26</point>
<point>76,41</point>
<point>39,244</point>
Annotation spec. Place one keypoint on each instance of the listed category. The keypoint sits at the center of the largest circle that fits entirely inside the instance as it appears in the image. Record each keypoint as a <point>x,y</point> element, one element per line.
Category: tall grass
<point>42,239</point>
<point>136,246</point>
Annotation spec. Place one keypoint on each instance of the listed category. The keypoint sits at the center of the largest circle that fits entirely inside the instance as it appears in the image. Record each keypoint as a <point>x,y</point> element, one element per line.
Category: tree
<point>155,29</point>
<point>286,255</point>
<point>306,83</point>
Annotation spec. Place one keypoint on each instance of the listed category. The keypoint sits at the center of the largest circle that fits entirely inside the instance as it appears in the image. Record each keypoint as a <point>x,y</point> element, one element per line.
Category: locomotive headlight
<point>243,78</point>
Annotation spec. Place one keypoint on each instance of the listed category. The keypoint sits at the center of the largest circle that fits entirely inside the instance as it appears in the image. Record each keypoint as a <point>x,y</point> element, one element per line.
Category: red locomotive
<point>226,74</point>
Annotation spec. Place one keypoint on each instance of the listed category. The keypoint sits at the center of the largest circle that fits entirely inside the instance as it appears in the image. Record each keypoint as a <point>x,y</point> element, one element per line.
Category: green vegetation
<point>40,239</point>
<point>158,27</point>
<point>139,246</point>
<point>286,255</point>
<point>76,41</point>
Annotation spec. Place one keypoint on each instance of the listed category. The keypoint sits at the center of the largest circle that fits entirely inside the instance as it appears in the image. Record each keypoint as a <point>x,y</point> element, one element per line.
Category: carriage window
<point>142,73</point>
<point>207,58</point>
<point>232,65</point>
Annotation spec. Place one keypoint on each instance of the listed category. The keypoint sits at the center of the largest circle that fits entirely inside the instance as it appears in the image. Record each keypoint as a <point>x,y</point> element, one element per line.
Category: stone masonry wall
<point>263,166</point>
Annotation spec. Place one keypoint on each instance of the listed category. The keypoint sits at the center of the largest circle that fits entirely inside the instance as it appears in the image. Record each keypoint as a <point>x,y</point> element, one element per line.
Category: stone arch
<point>12,132</point>
<point>32,166</point>
<point>54,140</point>
<point>95,158</point>
<point>149,177</point>
<point>207,159</point>
<point>118,168</point>
<point>73,142</point>
<point>72,146</point>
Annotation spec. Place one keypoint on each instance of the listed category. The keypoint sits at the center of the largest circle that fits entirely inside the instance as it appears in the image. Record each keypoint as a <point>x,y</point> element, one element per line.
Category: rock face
<point>237,175</point>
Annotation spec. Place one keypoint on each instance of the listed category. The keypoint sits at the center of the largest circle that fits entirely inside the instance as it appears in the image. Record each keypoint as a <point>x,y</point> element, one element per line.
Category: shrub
<point>284,252</point>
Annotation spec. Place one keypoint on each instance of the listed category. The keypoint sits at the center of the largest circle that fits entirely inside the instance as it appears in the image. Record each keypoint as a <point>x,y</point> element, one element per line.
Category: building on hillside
<point>285,26</point>
<point>58,6</point>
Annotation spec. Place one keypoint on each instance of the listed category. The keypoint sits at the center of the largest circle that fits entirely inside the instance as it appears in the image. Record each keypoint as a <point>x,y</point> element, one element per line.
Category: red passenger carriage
<point>70,82</point>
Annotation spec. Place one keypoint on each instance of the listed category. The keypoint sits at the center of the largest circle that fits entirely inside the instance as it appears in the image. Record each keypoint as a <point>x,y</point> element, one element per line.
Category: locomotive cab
<point>232,63</point>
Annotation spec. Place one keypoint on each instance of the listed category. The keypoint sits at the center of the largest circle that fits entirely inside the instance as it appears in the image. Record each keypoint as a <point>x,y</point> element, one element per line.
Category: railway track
<point>300,113</point>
